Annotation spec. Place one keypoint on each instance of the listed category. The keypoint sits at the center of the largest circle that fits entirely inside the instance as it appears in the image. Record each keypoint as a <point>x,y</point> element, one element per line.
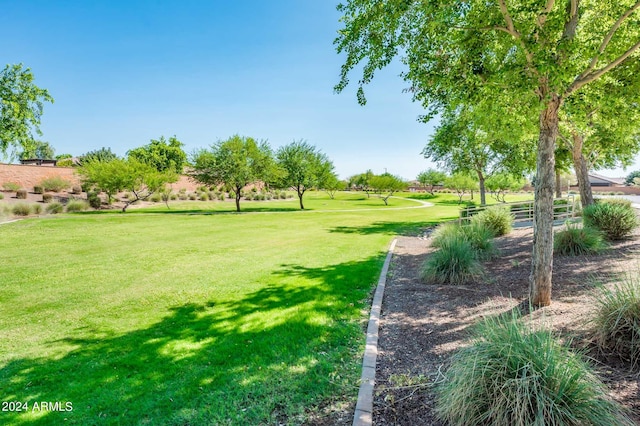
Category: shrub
<point>232,194</point>
<point>182,196</point>
<point>193,196</point>
<point>615,220</point>
<point>455,262</point>
<point>54,208</point>
<point>38,189</point>
<point>204,196</point>
<point>21,209</point>
<point>156,198</point>
<point>36,208</point>
<point>621,201</point>
<point>47,198</point>
<point>21,194</point>
<point>283,195</point>
<point>76,190</point>
<point>1,196</point>
<point>480,237</point>
<point>11,186</point>
<point>513,374</point>
<point>617,319</point>
<point>248,196</point>
<point>497,219</point>
<point>77,206</point>
<point>212,195</point>
<point>182,191</point>
<point>173,197</point>
<point>93,199</point>
<point>576,241</point>
<point>55,184</point>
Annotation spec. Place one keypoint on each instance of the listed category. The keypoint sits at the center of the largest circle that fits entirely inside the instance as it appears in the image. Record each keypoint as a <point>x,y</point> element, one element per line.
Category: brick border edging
<point>364,407</point>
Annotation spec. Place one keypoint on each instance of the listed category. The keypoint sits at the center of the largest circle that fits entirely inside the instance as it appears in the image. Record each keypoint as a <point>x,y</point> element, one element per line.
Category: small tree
<point>103,154</point>
<point>631,179</point>
<point>111,177</point>
<point>37,149</point>
<point>235,163</point>
<point>500,183</point>
<point>431,178</point>
<point>461,183</point>
<point>387,184</point>
<point>361,181</point>
<point>161,154</point>
<point>303,167</point>
<point>331,184</point>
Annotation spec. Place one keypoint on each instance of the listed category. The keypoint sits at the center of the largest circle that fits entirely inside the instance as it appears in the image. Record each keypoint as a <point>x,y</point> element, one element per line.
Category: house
<point>603,181</point>
<point>38,162</point>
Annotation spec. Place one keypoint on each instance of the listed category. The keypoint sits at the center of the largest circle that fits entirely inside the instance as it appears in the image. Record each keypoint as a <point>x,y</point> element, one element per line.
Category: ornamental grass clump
<point>455,262</point>
<point>77,206</point>
<point>616,322</point>
<point>21,209</point>
<point>576,241</point>
<point>55,208</point>
<point>616,220</point>
<point>479,237</point>
<point>498,219</point>
<point>55,184</point>
<point>514,374</point>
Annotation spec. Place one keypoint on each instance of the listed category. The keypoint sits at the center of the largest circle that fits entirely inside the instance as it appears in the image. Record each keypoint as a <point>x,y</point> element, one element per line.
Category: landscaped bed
<point>423,325</point>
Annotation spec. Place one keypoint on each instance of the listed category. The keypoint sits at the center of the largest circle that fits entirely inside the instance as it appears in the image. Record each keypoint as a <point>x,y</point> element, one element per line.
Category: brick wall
<point>28,176</point>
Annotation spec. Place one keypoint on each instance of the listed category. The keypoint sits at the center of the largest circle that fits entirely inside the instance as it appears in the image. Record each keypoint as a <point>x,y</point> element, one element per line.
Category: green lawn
<point>188,318</point>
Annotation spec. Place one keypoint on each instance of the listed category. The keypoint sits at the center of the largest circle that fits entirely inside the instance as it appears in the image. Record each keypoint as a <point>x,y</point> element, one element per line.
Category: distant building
<point>38,162</point>
<point>603,181</point>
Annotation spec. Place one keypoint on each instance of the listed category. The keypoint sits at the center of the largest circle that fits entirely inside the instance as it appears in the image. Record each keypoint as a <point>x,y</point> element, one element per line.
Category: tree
<point>103,154</point>
<point>498,184</point>
<point>21,106</point>
<point>302,166</point>
<point>116,175</point>
<point>387,183</point>
<point>459,52</point>
<point>631,178</point>
<point>162,154</point>
<point>236,162</point>
<point>37,149</point>
<point>431,178</point>
<point>361,181</point>
<point>330,184</point>
<point>460,183</point>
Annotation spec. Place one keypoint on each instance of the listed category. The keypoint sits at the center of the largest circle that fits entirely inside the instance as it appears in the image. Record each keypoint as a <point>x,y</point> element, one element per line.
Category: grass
<point>576,241</point>
<point>518,374</point>
<point>191,318</point>
<point>455,262</point>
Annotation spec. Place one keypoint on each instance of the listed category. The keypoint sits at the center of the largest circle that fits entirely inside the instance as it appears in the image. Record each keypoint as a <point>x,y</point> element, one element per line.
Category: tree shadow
<point>388,228</point>
<point>292,345</point>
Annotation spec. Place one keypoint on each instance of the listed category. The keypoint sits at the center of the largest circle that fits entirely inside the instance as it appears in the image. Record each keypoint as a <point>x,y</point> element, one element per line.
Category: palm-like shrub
<point>617,319</point>
<point>513,374</point>
<point>454,263</point>
<point>616,220</point>
<point>498,219</point>
<point>576,241</point>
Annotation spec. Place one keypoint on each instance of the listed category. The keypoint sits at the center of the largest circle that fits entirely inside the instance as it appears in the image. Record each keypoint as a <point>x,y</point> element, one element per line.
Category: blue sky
<point>124,72</point>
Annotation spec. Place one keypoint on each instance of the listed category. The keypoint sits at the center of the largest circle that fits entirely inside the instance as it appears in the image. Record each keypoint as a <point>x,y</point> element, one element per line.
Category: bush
<point>36,208</point>
<point>513,374</point>
<point>576,241</point>
<point>156,198</point>
<point>76,190</point>
<point>454,263</point>
<point>182,196</point>
<point>47,198</point>
<point>232,194</point>
<point>193,196</point>
<point>93,199</point>
<point>38,189</point>
<point>1,196</point>
<point>173,197</point>
<point>497,219</point>
<point>283,195</point>
<point>204,196</point>
<point>615,220</point>
<point>54,208</point>
<point>479,237</point>
<point>621,201</point>
<point>11,186</point>
<point>617,319</point>
<point>77,206</point>
<point>221,197</point>
<point>21,194</point>
<point>55,184</point>
<point>21,209</point>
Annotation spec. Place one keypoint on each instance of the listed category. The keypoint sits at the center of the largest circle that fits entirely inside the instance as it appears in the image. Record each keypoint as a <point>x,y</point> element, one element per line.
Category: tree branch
<point>608,37</point>
<point>542,17</point>
<point>512,30</point>
<point>584,79</point>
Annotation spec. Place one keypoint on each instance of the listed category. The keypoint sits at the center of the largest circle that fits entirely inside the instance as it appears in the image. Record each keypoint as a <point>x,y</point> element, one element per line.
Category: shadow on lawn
<point>291,347</point>
<point>389,228</point>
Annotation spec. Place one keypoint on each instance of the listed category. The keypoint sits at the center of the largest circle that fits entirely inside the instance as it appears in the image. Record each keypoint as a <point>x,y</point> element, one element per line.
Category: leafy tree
<point>103,154</point>
<point>21,105</point>
<point>499,183</point>
<point>631,178</point>
<point>162,154</point>
<point>37,149</point>
<point>303,167</point>
<point>461,183</point>
<point>387,184</point>
<point>459,52</point>
<point>330,184</point>
<point>431,178</point>
<point>116,175</point>
<point>361,181</point>
<point>236,162</point>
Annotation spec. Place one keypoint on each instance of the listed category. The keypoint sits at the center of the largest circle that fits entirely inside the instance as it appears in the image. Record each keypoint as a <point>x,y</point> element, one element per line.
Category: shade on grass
<point>189,318</point>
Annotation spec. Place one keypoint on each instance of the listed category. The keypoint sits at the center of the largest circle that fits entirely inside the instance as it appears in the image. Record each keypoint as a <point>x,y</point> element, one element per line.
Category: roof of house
<point>615,181</point>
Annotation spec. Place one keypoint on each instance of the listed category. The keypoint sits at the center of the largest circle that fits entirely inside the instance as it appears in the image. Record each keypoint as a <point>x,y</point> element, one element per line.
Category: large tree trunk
<point>483,196</point>
<point>582,170</point>
<point>542,256</point>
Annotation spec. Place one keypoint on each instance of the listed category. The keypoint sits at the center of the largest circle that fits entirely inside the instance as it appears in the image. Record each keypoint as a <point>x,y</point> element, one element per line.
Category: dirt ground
<point>422,324</point>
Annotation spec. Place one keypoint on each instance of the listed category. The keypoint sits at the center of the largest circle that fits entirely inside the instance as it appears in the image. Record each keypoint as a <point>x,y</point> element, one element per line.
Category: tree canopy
<point>21,107</point>
<point>431,178</point>
<point>162,154</point>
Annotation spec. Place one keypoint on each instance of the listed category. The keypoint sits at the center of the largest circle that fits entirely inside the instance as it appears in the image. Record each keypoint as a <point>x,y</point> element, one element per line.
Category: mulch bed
<point>422,324</point>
